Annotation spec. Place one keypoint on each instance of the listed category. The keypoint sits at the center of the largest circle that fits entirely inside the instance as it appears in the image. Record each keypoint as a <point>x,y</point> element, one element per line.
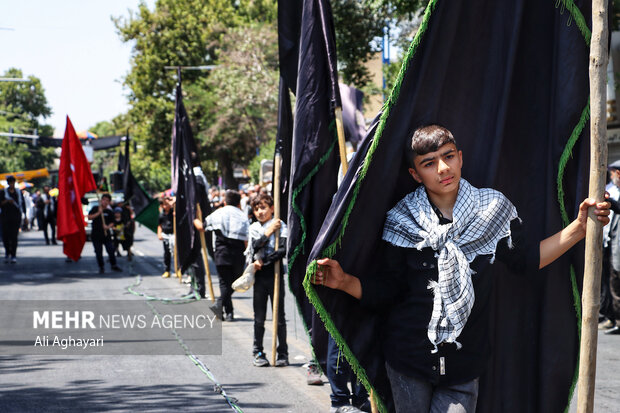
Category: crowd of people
<point>241,229</point>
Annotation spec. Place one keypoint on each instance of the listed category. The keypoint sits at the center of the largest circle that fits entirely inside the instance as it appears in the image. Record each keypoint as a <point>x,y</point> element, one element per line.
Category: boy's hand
<point>601,212</point>
<point>160,237</point>
<point>258,264</point>
<point>275,225</point>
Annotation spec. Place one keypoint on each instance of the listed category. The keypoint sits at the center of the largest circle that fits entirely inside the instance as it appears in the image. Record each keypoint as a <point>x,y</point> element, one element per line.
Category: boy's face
<point>439,171</point>
<point>263,212</point>
<point>117,216</point>
<point>167,204</point>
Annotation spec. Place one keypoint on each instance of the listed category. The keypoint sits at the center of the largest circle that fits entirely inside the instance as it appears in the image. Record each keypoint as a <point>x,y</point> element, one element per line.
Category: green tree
<point>235,108</point>
<point>175,33</point>
<point>22,105</point>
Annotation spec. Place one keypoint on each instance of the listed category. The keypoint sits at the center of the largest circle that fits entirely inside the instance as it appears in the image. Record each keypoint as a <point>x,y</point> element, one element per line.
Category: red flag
<point>74,180</point>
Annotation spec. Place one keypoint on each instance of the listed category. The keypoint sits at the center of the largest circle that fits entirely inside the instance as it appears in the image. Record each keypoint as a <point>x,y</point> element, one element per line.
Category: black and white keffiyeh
<point>231,221</point>
<point>481,217</point>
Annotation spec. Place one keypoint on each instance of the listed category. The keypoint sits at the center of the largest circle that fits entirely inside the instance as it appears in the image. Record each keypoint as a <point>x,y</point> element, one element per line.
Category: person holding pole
<point>230,226</point>
<point>165,231</point>
<point>435,284</point>
<point>102,217</point>
<point>263,255</point>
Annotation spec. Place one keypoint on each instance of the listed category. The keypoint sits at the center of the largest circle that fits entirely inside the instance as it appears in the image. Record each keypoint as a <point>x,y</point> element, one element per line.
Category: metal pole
<point>594,240</point>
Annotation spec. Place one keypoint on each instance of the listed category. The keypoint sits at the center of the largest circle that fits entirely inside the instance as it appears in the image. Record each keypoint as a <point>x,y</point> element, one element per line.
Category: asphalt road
<point>146,382</point>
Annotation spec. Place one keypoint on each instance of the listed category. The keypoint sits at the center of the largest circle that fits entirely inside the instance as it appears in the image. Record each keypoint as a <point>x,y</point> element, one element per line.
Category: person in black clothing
<point>230,226</point>
<point>46,209</point>
<point>12,206</point>
<point>610,278</point>
<point>262,254</point>
<point>165,231</point>
<point>439,242</point>
<point>195,261</point>
<point>101,234</point>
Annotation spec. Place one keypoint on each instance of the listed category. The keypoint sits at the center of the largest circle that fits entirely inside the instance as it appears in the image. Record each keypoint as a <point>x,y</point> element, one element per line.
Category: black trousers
<point>227,274</point>
<point>263,290</point>
<point>98,244</point>
<point>606,308</point>
<point>167,254</point>
<point>614,287</point>
<point>10,230</point>
<point>198,275</point>
<point>51,221</point>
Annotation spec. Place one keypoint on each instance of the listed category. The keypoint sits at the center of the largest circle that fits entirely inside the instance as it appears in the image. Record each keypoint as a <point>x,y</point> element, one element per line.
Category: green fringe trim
<point>300,247</point>
<point>566,155</point>
<point>330,251</point>
<point>575,14</point>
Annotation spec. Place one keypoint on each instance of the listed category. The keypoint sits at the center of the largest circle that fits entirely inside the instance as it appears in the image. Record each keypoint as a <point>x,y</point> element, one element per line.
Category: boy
<point>263,255</point>
<point>119,229</point>
<point>436,278</point>
<point>165,231</point>
<point>101,235</point>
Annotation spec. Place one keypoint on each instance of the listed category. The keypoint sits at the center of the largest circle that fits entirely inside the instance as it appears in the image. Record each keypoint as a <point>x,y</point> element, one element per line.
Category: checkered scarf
<point>257,230</point>
<point>481,217</point>
<point>231,221</point>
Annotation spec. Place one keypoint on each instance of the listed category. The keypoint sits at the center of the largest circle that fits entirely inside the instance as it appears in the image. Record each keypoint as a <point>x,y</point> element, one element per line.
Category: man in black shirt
<point>102,217</point>
<point>12,206</point>
<point>439,242</point>
<point>46,207</point>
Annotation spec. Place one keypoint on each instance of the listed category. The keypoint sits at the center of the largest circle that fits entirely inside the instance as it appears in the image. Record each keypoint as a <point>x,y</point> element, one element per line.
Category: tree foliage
<point>176,32</point>
<point>232,108</point>
<point>22,105</point>
<point>235,108</point>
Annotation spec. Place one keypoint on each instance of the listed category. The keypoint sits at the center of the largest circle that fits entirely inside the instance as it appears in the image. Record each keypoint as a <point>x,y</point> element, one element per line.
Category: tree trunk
<point>226,167</point>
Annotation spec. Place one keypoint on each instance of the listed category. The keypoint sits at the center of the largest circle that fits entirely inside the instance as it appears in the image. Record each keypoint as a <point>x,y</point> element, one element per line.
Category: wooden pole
<point>174,229</point>
<point>594,240</point>
<point>205,256</point>
<point>341,144</point>
<point>276,269</point>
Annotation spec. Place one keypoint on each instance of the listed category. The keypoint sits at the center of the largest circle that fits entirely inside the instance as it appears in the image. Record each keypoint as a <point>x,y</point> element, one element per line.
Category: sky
<point>73,48</point>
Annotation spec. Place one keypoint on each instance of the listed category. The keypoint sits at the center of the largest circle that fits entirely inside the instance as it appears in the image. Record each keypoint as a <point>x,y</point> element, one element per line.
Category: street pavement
<point>145,382</point>
<point>120,383</point>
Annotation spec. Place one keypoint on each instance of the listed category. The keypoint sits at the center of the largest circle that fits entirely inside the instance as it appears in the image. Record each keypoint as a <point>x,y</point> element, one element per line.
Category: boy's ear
<point>415,175</point>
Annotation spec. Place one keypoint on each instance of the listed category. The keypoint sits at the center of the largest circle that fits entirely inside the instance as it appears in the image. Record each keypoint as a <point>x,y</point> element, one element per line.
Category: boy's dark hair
<point>107,196</point>
<point>257,199</point>
<point>232,197</point>
<point>427,139</point>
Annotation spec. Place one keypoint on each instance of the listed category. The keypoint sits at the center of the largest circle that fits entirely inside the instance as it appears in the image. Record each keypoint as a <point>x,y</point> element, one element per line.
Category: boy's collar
<point>442,219</point>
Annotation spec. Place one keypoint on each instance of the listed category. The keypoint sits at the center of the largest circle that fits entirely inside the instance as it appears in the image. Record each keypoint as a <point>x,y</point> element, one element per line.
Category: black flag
<point>145,208</point>
<point>510,80</point>
<point>183,181</point>
<point>284,137</point>
<point>289,26</point>
<point>314,153</point>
